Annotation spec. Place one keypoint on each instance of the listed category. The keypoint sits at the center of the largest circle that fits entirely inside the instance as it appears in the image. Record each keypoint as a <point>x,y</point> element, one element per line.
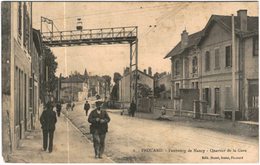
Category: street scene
<point>130,82</point>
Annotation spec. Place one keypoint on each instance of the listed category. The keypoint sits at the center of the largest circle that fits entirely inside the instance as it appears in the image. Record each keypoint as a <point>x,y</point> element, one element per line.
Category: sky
<point>154,42</point>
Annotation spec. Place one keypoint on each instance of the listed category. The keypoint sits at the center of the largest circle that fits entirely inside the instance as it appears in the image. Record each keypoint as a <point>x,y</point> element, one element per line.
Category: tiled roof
<point>252,22</point>
<point>73,79</point>
<point>225,21</point>
<point>139,72</point>
<point>193,40</point>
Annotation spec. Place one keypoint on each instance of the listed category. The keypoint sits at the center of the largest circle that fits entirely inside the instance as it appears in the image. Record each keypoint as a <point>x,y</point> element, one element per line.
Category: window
<point>26,27</point>
<point>197,85</point>
<point>177,67</point>
<point>228,98</point>
<point>255,101</point>
<point>207,95</point>
<point>177,89</point>
<point>253,94</point>
<point>207,61</point>
<point>19,19</point>
<point>217,59</point>
<point>255,46</point>
<point>24,23</point>
<point>194,65</point>
<point>228,56</point>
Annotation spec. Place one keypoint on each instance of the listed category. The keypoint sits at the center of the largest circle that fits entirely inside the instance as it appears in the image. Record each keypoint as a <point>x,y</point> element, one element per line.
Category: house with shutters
<point>225,80</point>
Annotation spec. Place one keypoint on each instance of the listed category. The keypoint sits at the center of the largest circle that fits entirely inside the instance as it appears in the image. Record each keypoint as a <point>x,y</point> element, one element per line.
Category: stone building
<point>226,80</point>
<point>73,88</point>
<point>162,83</point>
<point>144,79</point>
<point>17,56</point>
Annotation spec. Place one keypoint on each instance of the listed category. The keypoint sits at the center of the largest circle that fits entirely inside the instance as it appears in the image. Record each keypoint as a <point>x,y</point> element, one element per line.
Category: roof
<point>140,72</point>
<point>252,22</point>
<point>193,39</point>
<point>73,79</point>
<point>225,22</point>
<point>37,39</point>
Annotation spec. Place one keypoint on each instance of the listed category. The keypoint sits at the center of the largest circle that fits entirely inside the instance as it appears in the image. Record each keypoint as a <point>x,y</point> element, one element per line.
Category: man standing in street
<point>86,107</point>
<point>58,108</point>
<point>132,108</point>
<point>99,125</point>
<point>48,120</point>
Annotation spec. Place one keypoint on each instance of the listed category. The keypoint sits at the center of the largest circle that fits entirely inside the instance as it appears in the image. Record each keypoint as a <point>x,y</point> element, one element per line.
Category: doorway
<point>217,101</point>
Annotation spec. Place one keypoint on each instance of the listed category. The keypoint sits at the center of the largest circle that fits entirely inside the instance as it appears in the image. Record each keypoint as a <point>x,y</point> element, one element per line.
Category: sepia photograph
<point>130,82</point>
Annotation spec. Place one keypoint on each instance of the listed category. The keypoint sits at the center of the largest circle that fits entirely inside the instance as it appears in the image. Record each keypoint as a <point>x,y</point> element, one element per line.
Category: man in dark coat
<point>98,128</point>
<point>58,108</point>
<point>48,120</point>
<point>132,109</point>
<point>86,107</point>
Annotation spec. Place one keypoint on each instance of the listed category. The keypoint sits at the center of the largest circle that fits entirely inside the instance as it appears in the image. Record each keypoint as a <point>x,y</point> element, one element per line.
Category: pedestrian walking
<point>132,108</point>
<point>72,106</point>
<point>86,107</point>
<point>99,126</point>
<point>58,108</point>
<point>68,106</point>
<point>48,120</point>
<point>163,110</point>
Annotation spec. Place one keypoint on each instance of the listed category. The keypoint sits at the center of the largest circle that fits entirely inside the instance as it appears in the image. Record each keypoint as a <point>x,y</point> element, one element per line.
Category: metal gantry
<point>102,36</point>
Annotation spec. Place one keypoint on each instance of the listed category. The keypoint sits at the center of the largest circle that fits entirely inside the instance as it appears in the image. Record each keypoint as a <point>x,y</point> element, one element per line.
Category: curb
<point>72,124</point>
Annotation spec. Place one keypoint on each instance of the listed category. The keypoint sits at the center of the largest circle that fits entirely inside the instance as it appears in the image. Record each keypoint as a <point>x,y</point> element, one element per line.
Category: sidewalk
<point>70,146</point>
<point>249,129</point>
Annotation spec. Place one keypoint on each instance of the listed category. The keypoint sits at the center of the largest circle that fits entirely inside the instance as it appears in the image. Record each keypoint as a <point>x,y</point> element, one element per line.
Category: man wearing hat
<point>48,120</point>
<point>99,125</point>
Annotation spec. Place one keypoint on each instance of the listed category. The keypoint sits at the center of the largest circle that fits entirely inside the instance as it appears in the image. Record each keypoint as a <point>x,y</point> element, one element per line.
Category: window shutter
<point>204,94</point>
<point>209,96</point>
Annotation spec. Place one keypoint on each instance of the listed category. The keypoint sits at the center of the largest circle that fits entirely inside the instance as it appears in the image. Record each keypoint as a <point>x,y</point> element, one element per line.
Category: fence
<point>253,114</point>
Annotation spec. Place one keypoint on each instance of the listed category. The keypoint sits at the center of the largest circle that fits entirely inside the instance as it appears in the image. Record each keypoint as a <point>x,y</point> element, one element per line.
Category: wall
<point>6,46</point>
<point>124,86</point>
<point>78,91</point>
<point>251,73</point>
<point>20,76</point>
<point>221,77</point>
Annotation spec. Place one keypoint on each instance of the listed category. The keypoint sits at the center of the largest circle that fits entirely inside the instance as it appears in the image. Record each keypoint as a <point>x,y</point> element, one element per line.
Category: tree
<point>51,64</point>
<point>158,90</point>
<point>144,90</point>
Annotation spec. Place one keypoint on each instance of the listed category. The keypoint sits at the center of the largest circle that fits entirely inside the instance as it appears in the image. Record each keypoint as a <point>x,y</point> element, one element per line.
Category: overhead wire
<point>111,13</point>
<point>114,12</point>
<point>142,9</point>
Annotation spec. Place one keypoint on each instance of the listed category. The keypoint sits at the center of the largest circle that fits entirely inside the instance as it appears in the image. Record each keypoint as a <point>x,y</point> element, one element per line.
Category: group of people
<point>70,106</point>
<point>98,119</point>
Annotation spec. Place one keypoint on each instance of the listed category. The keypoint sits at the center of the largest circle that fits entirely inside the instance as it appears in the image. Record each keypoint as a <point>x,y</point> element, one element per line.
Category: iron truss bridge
<point>103,36</point>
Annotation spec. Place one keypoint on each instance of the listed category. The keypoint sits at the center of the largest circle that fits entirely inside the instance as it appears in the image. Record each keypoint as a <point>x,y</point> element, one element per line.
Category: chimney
<point>184,39</point>
<point>126,71</point>
<point>149,71</point>
<point>242,18</point>
<point>145,71</point>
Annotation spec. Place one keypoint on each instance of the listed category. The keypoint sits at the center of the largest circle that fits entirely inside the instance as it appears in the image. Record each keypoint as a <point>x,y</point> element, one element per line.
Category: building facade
<point>17,54</point>
<point>162,83</point>
<point>144,80</point>
<point>222,67</point>
<point>73,89</point>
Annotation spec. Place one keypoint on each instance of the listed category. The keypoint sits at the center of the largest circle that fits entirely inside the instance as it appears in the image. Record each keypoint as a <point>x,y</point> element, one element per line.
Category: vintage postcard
<point>130,82</point>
